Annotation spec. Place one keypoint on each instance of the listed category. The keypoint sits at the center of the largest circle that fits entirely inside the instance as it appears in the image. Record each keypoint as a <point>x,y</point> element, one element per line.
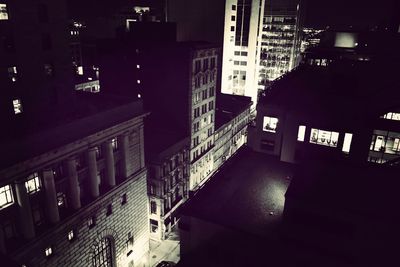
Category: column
<point>110,165</point>
<point>74,193</point>
<point>124,141</point>
<point>93,182</point>
<point>50,196</point>
<point>24,211</point>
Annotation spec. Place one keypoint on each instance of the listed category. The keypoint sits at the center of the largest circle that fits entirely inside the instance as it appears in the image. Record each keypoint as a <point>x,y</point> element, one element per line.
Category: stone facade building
<point>79,199</point>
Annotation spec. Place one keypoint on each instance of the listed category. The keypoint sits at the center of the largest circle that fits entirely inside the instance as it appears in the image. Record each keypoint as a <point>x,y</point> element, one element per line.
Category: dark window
<point>153,226</point>
<point>267,145</point>
<point>232,28</point>
<point>197,66</point>
<point>212,65</point>
<point>91,222</point>
<point>109,210</point>
<point>46,41</point>
<point>153,207</point>
<point>48,69</point>
<point>124,199</point>
<point>233,18</point>
<point>233,7</point>
<point>43,14</point>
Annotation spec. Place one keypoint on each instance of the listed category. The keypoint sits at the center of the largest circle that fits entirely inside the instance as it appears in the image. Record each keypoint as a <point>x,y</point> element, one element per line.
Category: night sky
<point>343,13</point>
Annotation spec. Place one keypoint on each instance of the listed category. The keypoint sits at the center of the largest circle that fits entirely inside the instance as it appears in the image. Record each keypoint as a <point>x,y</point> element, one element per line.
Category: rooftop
<point>229,106</point>
<point>242,194</point>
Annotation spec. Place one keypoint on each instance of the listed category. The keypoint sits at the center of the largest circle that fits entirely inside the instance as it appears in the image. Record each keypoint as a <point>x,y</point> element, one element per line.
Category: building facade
<point>280,44</point>
<point>231,127</point>
<point>167,187</point>
<point>240,62</point>
<point>82,202</point>
<point>202,117</point>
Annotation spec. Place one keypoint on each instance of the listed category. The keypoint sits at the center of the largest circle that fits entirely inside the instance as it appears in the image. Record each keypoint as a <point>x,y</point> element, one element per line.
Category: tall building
<point>167,154</point>
<point>35,66</point>
<point>280,40</point>
<point>243,23</point>
<point>188,104</point>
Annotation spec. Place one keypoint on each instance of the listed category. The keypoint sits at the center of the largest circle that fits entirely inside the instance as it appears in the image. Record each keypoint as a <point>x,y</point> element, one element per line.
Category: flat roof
<point>243,193</point>
<point>228,107</point>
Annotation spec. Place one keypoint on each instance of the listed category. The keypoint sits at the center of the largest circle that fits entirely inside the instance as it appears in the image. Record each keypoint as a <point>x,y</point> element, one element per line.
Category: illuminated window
<point>114,144</point>
<point>139,96</point>
<point>270,124</point>
<point>71,235</point>
<point>48,251</point>
<point>138,81</point>
<point>347,142</point>
<point>6,196</point>
<point>33,183</point>
<point>138,66</point>
<point>325,138</point>
<point>61,200</point>
<point>301,133</point>
<point>386,142</point>
<point>79,70</point>
<point>391,116</point>
<point>12,73</point>
<point>3,12</point>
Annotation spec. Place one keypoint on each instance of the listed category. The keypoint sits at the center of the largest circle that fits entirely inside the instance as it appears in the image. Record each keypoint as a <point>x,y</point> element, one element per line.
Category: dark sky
<point>358,13</point>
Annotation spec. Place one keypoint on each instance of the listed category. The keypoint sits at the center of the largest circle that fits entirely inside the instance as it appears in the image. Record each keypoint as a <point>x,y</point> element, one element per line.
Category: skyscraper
<point>280,43</point>
<point>241,47</point>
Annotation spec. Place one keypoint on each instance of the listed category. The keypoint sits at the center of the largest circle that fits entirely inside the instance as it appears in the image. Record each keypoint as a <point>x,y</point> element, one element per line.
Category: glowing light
<point>139,96</point>
<point>138,81</point>
<point>347,142</point>
<point>270,124</point>
<point>301,133</point>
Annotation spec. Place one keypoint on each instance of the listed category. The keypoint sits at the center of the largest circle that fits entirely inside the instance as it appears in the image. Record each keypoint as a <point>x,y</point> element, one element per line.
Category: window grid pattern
<point>103,256</point>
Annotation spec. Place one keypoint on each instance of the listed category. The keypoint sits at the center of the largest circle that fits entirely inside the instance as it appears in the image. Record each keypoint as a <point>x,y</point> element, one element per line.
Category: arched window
<point>103,253</point>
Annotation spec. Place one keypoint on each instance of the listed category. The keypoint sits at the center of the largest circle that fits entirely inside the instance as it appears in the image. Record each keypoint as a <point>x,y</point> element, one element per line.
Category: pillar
<point>110,165</point>
<point>50,196</point>
<point>74,193</point>
<point>24,211</point>
<point>93,182</point>
<point>124,141</point>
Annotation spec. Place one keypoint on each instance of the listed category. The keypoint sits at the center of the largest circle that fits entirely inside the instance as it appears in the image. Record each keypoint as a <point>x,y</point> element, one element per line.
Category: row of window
<point>241,63</point>
<point>200,80</point>
<point>203,65</point>
<point>204,109</point>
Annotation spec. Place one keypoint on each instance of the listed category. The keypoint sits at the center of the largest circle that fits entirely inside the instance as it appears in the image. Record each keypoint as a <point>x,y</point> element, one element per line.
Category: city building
<point>231,120</point>
<point>280,40</point>
<point>329,107</point>
<point>35,68</point>
<point>241,50</point>
<point>79,199</point>
<point>187,101</point>
<point>327,223</point>
<point>167,154</point>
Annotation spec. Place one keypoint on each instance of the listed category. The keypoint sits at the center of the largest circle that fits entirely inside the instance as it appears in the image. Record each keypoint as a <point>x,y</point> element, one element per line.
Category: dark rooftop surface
<point>229,106</point>
<point>342,90</point>
<point>93,112</point>
<point>243,193</point>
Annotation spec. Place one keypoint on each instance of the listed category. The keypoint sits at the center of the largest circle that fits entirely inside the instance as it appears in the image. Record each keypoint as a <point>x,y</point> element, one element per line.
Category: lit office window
<point>80,70</point>
<point>270,124</point>
<point>114,144</point>
<point>6,196</point>
<point>33,183</point>
<point>3,12</point>
<point>301,133</point>
<point>325,138</point>
<point>347,142</point>
<point>386,142</point>
<point>391,116</point>
<point>48,251</point>
<point>12,73</point>
<point>17,106</point>
<point>71,235</point>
